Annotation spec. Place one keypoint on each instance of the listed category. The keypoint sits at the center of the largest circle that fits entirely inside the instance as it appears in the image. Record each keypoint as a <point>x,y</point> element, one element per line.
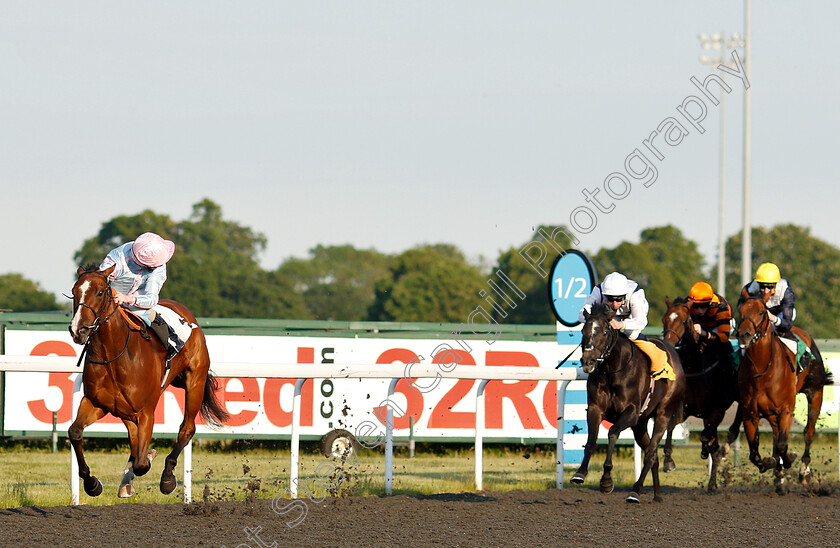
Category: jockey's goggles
<point>615,298</point>
<point>767,286</point>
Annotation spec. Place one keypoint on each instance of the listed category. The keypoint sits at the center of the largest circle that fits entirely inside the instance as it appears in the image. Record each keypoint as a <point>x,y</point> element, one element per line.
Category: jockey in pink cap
<point>138,276</point>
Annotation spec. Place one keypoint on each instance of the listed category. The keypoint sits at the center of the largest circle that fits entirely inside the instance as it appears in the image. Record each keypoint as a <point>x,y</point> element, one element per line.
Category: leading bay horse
<point>711,387</point>
<point>768,383</point>
<point>123,371</point>
<point>619,390</point>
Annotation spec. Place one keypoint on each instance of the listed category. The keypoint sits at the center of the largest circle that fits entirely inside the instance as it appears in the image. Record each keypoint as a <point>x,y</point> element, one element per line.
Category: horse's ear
<point>585,314</point>
<point>107,272</point>
<point>667,302</point>
<point>79,271</point>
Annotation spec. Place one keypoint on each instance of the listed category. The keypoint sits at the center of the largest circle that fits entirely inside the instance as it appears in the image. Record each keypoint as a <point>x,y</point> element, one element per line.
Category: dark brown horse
<point>768,382</point>
<point>123,371</point>
<point>711,387</point>
<point>619,390</point>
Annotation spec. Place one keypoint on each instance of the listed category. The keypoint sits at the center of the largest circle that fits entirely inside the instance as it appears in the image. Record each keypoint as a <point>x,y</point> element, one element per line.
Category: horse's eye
<point>101,292</point>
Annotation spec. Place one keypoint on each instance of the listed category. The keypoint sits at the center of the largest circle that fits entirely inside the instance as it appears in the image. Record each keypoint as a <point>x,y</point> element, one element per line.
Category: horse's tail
<point>211,409</point>
<point>828,378</point>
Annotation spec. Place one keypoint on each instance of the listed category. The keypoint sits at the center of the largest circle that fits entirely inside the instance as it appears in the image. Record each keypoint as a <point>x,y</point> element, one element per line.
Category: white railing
<point>395,372</point>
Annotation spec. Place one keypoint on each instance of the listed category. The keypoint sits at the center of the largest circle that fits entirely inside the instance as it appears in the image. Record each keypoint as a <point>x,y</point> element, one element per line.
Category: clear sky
<point>391,124</point>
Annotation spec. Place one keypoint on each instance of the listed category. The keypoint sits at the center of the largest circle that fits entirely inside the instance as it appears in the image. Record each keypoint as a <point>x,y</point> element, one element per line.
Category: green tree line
<point>215,271</point>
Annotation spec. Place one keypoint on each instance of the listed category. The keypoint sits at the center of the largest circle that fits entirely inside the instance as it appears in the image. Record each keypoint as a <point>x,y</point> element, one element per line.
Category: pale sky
<point>391,124</point>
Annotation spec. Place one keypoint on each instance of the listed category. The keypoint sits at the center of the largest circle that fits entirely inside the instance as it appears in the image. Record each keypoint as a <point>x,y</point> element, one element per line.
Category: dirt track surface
<point>753,516</point>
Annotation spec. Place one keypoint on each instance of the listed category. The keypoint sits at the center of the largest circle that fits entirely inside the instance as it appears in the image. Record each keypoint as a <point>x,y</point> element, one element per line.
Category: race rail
<point>395,372</point>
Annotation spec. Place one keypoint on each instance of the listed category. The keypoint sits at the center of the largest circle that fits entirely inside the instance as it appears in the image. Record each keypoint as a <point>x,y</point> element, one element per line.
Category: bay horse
<point>711,388</point>
<point>124,368</point>
<point>768,383</point>
<point>619,390</point>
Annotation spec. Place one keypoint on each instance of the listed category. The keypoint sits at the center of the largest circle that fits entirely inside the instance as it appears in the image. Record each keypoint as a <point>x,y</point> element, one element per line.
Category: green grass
<point>31,475</point>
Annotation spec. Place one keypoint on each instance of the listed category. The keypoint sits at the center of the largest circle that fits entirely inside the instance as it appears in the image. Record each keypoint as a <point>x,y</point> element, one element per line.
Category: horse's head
<point>677,324</point>
<point>91,299</point>
<point>597,337</point>
<point>754,322</point>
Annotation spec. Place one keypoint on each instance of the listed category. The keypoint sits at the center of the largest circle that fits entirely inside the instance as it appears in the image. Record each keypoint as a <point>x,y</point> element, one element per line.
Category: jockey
<point>776,293</point>
<point>628,301</point>
<point>711,314</point>
<point>138,278</point>
<point>712,318</point>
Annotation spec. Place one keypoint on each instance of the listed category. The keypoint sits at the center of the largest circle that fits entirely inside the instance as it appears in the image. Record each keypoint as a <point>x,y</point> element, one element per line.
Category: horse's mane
<point>680,300</point>
<point>602,310</point>
<point>90,267</point>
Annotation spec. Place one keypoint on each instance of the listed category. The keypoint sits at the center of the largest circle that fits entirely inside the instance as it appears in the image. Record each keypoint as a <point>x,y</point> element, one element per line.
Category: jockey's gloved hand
<point>119,298</point>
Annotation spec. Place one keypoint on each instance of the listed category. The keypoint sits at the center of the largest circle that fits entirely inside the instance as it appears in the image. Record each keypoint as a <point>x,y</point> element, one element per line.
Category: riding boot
<point>163,332</point>
<point>804,362</point>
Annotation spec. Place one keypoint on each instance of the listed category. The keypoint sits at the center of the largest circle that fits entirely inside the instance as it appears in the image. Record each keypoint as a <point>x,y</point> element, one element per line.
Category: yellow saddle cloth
<point>660,369</point>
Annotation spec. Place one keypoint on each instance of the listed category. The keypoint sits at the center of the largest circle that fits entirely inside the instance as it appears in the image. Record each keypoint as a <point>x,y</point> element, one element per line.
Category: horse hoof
<point>168,484</point>
<point>578,478</point>
<point>607,488</point>
<point>668,466</point>
<point>95,490</point>
<point>126,491</point>
<point>769,463</point>
<point>657,498</point>
<point>633,497</point>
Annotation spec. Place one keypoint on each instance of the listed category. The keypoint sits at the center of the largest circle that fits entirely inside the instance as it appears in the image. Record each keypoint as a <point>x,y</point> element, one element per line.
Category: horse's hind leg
<point>194,389</point>
<point>814,405</point>
<point>734,431</point>
<point>87,415</point>
<point>668,464</point>
<point>650,458</point>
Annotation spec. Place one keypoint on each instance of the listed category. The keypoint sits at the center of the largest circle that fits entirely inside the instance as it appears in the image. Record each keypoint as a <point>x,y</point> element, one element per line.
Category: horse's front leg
<point>87,415</point>
<point>627,418</point>
<point>140,450</point>
<point>594,415</point>
<point>751,433</point>
<point>126,489</point>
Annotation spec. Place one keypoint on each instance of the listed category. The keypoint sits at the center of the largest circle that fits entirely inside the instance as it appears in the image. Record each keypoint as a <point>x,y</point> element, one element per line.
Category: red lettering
<point>64,382</point>
<point>250,393</point>
<point>275,413</point>
<point>516,391</point>
<point>442,415</point>
<point>413,398</point>
<point>550,403</point>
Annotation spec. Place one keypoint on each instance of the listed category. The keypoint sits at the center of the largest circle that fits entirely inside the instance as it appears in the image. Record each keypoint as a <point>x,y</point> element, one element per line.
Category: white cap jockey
<point>615,284</point>
<point>151,251</point>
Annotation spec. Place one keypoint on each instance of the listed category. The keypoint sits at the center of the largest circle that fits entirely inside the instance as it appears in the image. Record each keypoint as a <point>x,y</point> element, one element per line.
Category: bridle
<point>687,324</point>
<point>612,335</point>
<point>99,320</point>
<point>760,328</point>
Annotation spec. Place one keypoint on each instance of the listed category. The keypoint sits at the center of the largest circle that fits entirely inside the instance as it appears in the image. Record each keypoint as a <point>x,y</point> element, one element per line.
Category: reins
<point>759,333</point>
<point>98,322</point>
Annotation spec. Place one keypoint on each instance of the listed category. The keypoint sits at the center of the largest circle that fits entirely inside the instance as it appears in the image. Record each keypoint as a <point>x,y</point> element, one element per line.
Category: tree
<point>337,282</point>
<point>669,248</point>
<point>431,283</point>
<point>214,271</point>
<point>21,295</point>
<point>664,263</point>
<point>811,265</point>
<point>535,308</point>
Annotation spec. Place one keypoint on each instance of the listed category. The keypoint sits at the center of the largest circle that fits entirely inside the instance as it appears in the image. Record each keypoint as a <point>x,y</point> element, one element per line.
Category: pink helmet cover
<point>151,250</point>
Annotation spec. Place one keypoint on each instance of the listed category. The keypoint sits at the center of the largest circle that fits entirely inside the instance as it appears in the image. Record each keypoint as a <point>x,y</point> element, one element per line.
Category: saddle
<point>660,369</point>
